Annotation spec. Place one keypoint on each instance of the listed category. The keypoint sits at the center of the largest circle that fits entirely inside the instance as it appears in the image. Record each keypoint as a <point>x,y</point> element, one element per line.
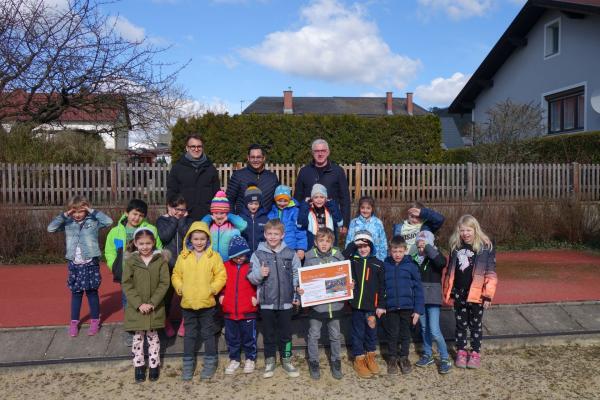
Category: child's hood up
<point>187,244</point>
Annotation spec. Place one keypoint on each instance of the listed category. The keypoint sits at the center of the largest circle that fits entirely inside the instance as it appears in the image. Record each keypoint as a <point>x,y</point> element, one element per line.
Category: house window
<point>566,110</point>
<point>552,38</point>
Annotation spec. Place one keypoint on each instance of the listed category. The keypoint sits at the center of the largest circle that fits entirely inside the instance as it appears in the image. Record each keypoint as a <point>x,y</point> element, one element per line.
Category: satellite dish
<point>595,100</point>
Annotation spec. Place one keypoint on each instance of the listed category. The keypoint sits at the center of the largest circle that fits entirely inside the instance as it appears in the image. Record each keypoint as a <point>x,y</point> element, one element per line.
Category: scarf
<point>197,162</point>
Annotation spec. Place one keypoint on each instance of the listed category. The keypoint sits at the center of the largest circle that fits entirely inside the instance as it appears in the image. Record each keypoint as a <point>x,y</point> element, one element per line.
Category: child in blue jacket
<point>418,219</point>
<point>255,216</point>
<point>286,210</point>
<point>223,224</point>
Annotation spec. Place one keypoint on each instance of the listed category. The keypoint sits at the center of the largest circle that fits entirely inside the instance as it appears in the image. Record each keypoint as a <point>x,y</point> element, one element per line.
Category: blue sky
<point>243,49</point>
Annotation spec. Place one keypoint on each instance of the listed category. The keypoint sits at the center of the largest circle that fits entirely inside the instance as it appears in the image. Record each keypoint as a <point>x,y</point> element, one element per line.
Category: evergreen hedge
<point>287,138</point>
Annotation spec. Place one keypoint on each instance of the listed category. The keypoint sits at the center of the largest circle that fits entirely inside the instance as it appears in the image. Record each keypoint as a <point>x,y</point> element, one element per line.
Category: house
<point>549,56</point>
<point>106,116</point>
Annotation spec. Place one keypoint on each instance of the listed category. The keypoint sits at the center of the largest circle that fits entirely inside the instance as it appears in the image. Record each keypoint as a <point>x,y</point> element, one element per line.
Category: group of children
<point>234,268</point>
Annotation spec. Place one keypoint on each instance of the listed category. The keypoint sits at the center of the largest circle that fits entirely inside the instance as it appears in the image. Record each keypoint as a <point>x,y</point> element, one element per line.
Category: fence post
<point>113,182</point>
<point>576,176</point>
<point>357,180</point>
<point>470,181</point>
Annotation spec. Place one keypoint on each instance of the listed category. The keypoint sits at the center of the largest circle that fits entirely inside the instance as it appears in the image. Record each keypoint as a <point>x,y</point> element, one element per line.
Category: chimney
<point>389,101</point>
<point>287,102</point>
<point>409,103</point>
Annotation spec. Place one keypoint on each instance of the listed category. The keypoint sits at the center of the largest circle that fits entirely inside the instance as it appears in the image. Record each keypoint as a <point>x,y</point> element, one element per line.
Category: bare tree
<point>500,138</point>
<point>56,58</point>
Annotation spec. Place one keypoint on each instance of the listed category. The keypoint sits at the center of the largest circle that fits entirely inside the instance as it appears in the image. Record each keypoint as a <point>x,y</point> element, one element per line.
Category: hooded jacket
<point>265,180</point>
<point>295,238</point>
<point>222,234</point>
<point>431,221</point>
<point>375,227</point>
<point>145,284</point>
<point>403,289</point>
<point>277,290</point>
<point>116,241</point>
<point>197,185</point>
<point>255,229</point>
<point>307,220</point>
<point>431,264</point>
<point>315,257</point>
<point>369,279</point>
<point>198,281</point>
<point>238,292</point>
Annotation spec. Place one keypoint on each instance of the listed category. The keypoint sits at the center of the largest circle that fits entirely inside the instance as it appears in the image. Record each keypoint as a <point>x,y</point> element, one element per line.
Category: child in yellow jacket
<point>198,276</point>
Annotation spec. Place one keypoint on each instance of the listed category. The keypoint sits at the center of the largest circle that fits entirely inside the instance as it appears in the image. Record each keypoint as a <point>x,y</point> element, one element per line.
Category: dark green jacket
<point>145,284</point>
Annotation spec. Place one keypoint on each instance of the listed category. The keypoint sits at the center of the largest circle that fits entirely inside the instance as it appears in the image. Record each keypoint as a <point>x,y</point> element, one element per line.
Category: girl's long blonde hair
<point>480,240</point>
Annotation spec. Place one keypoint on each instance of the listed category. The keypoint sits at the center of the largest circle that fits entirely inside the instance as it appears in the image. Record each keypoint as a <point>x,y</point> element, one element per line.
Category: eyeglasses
<point>195,147</point>
<point>256,157</point>
<point>320,151</point>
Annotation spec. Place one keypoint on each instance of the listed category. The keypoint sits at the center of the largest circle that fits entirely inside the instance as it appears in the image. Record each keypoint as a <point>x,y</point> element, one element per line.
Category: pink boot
<point>169,331</point>
<point>181,331</point>
<point>461,359</point>
<point>74,328</point>
<point>474,360</point>
<point>94,327</point>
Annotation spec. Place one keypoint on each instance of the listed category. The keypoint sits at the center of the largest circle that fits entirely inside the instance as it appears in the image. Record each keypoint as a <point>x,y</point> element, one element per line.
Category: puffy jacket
<point>222,234</point>
<point>403,289</point>
<point>238,292</point>
<point>171,232</point>
<point>265,180</point>
<point>307,221</point>
<point>485,279</point>
<point>277,290</point>
<point>332,177</point>
<point>198,281</point>
<point>432,221</point>
<point>83,234</point>
<point>295,238</point>
<point>315,257</point>
<point>431,268</point>
<point>145,284</point>
<point>197,185</point>
<point>369,280</point>
<point>116,242</point>
<point>375,227</point>
<point>255,229</point>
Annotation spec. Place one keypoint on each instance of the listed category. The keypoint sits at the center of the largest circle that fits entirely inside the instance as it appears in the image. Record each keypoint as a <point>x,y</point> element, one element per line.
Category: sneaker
<point>461,359</point>
<point>360,366</point>
<point>249,366</point>
<point>336,369</point>
<point>405,366</point>
<point>288,367</point>
<point>74,328</point>
<point>474,360</point>
<point>445,366</point>
<point>269,367</point>
<point>181,330</point>
<point>314,370</point>
<point>94,327</point>
<point>392,366</point>
<point>169,330</point>
<point>232,367</point>
<point>424,361</point>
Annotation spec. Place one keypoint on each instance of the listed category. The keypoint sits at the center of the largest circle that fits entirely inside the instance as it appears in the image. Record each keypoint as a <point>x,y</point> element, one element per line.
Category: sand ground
<point>556,372</point>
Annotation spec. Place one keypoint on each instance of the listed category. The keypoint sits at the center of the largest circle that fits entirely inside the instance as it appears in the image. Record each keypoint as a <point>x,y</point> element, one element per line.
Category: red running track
<point>37,295</point>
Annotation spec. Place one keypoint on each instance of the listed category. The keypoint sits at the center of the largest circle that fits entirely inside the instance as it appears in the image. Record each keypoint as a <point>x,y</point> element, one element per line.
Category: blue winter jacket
<point>304,222</point>
<point>295,238</point>
<point>403,288</point>
<point>255,231</point>
<point>84,234</point>
<point>432,221</point>
<point>375,227</point>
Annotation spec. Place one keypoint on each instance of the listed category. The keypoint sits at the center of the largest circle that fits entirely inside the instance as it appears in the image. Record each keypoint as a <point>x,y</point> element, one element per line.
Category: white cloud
<point>371,94</point>
<point>457,9</point>
<point>127,29</point>
<point>336,43</point>
<point>440,91</point>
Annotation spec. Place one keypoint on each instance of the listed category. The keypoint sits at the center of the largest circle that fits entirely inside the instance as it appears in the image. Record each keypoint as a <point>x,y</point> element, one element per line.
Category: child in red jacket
<point>239,307</point>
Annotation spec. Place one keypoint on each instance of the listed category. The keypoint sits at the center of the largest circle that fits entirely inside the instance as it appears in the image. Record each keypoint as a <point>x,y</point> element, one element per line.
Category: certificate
<point>325,283</point>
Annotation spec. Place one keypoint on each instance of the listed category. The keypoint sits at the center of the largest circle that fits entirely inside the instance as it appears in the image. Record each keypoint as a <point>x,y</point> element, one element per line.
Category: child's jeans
<point>335,337</point>
<point>137,348</point>
<point>430,331</point>
<point>199,323</point>
<point>93,301</point>
<point>468,315</point>
<point>364,338</point>
<point>277,322</point>
<point>397,325</point>
<point>241,335</point>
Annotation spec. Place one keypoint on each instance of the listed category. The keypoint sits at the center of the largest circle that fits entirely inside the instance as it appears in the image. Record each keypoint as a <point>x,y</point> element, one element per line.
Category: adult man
<point>328,174</point>
<point>194,177</point>
<point>254,172</point>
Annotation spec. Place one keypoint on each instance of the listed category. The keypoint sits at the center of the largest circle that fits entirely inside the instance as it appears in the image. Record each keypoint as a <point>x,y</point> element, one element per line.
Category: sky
<point>238,50</point>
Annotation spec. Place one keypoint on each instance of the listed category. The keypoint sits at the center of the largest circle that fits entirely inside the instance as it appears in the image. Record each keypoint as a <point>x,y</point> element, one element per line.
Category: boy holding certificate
<point>323,252</point>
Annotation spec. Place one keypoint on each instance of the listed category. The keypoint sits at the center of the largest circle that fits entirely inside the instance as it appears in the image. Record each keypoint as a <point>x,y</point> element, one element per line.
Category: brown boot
<point>371,363</point>
<point>360,366</point>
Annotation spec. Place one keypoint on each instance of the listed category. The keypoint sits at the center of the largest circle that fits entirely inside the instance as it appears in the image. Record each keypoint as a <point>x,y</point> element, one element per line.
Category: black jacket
<point>171,232</point>
<point>431,274</point>
<point>255,231</point>
<point>369,280</point>
<point>333,177</point>
<point>197,185</point>
<point>266,181</point>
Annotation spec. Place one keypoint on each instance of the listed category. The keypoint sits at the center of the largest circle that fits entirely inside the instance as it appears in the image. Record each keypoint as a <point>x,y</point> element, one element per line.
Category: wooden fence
<point>53,184</point>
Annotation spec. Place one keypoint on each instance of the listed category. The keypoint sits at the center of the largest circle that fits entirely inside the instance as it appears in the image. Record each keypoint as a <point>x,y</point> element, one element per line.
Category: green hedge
<point>389,139</point>
<point>581,147</point>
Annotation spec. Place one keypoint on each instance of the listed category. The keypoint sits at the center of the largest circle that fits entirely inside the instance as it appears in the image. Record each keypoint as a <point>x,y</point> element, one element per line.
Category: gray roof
<point>364,106</point>
<point>450,135</point>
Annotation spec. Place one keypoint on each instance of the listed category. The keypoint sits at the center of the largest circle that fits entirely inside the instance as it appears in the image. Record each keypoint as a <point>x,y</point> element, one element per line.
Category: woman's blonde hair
<point>77,202</point>
<point>480,240</point>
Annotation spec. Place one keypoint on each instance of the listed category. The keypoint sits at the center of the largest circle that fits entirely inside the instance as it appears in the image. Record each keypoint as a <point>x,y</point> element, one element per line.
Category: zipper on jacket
<point>362,283</point>
<point>396,283</point>
<point>237,283</point>
<point>253,232</point>
<point>278,282</point>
